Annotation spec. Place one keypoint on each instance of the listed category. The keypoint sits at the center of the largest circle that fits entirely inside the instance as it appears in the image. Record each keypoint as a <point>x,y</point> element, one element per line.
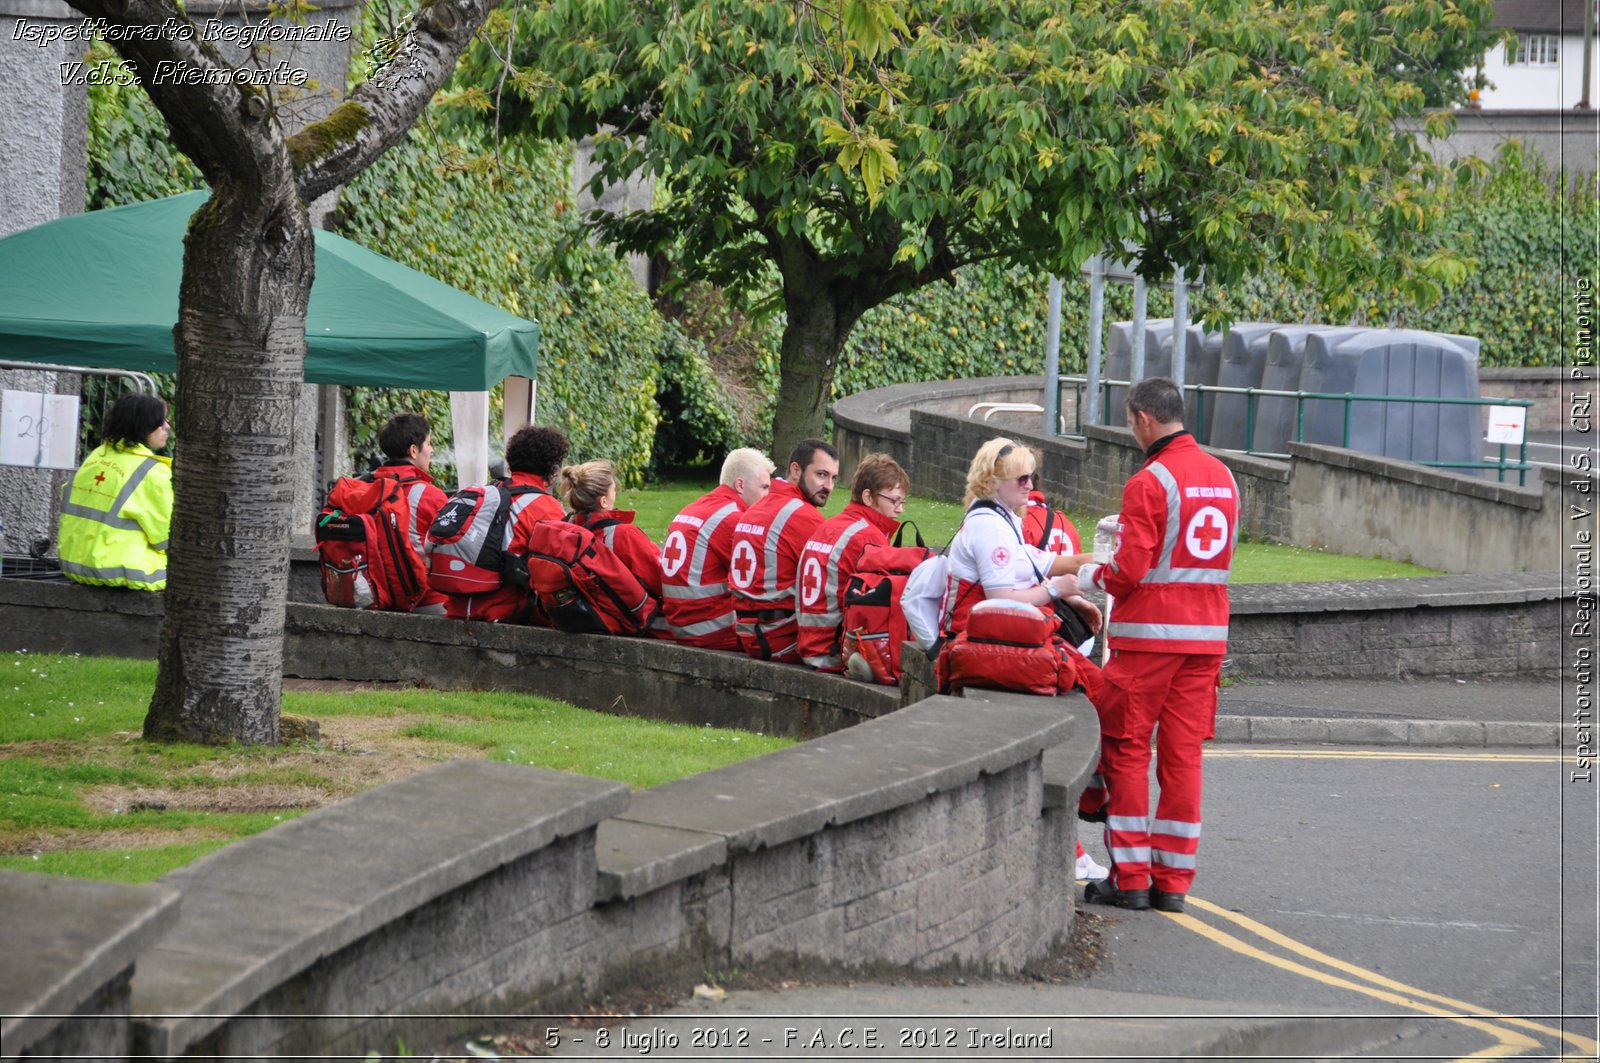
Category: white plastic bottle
<point>1107,537</point>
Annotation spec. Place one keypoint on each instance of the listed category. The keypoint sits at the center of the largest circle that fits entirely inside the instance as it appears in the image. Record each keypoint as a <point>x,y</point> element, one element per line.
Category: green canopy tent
<point>100,290</point>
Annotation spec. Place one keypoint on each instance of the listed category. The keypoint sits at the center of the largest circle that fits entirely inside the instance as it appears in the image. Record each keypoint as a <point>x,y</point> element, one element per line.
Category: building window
<point>1534,49</point>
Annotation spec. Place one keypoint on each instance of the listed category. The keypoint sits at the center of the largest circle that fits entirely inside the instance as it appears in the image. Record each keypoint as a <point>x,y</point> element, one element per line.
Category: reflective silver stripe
<point>1139,854</point>
<point>1185,632</point>
<point>413,500</point>
<point>770,591</point>
<point>132,485</point>
<point>162,545</point>
<point>822,661</point>
<point>702,546</point>
<point>518,504</point>
<point>73,568</point>
<point>1179,860</point>
<point>830,587</point>
<point>1161,571</point>
<point>1187,575</point>
<point>818,619</point>
<point>112,517</point>
<point>708,590</point>
<point>84,512</point>
<point>608,535</point>
<point>704,627</point>
<point>1175,827</point>
<point>1130,824</point>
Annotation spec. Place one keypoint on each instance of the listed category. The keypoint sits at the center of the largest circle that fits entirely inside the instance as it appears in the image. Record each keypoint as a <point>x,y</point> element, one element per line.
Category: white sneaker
<point>1089,871</point>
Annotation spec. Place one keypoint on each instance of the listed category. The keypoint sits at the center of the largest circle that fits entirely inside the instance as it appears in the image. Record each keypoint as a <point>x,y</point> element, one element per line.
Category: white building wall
<point>1524,87</point>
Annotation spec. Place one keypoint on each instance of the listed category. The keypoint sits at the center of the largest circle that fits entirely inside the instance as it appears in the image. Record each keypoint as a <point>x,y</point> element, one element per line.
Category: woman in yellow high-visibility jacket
<point>116,512</point>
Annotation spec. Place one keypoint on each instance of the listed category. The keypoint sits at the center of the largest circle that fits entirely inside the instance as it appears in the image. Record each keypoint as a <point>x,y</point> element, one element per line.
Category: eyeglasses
<point>897,501</point>
<point>1025,480</point>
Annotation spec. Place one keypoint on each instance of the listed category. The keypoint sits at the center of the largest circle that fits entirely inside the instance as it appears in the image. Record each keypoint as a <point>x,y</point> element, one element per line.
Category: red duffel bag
<point>1007,646</point>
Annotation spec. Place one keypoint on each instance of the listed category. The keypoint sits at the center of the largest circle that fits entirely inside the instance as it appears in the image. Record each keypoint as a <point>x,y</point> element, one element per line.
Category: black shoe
<point>1098,816</point>
<point>1162,901</point>
<point>1106,893</point>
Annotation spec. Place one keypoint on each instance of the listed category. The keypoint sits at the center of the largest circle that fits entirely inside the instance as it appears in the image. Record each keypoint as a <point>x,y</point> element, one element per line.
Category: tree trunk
<point>247,272</point>
<point>820,317</point>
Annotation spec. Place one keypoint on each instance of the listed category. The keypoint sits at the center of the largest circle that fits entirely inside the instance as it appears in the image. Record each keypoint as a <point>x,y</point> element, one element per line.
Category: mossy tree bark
<point>240,339</point>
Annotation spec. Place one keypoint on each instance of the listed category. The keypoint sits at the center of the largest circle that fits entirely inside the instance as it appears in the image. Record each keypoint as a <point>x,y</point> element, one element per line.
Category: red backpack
<point>874,623</point>
<point>466,541</point>
<point>581,585</point>
<point>366,558</point>
<point>1008,645</point>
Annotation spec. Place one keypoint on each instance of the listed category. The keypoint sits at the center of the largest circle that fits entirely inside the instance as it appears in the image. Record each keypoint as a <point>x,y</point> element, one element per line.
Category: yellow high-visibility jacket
<point>114,519</point>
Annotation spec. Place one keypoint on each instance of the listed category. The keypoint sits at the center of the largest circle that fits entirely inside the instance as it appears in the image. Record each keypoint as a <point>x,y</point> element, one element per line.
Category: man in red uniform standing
<point>1168,632</point>
<point>766,551</point>
<point>697,549</point>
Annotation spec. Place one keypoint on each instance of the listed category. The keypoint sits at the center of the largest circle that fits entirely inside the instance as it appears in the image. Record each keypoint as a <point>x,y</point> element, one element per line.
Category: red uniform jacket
<point>509,603</point>
<point>826,565</point>
<point>767,542</point>
<point>694,571</point>
<point>629,542</point>
<point>1063,535</point>
<point>1180,520</point>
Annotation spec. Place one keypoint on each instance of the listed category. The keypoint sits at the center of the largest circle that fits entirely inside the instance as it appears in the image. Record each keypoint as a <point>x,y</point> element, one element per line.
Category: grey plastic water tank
<point>1244,358</point>
<point>1396,362</point>
<point>1286,352</point>
<point>1201,356</point>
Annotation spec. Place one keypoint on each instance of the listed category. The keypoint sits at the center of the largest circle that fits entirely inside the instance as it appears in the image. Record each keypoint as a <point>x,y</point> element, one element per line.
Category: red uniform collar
<point>528,479</point>
<point>621,516</point>
<point>860,510</point>
<point>403,471</point>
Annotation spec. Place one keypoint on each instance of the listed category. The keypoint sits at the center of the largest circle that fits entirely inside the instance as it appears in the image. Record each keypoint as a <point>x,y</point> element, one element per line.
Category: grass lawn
<point>1252,563</point>
<point>82,794</point>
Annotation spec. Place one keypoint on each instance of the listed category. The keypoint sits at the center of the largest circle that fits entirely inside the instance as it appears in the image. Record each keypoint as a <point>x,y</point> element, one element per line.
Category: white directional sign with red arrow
<point>1506,424</point>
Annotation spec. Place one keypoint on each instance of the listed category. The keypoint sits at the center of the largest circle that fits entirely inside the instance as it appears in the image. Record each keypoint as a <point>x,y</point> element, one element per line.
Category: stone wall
<point>477,888</point>
<point>1323,497</point>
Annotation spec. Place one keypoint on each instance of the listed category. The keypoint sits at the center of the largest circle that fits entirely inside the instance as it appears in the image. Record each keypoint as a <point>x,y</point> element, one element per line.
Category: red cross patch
<point>1001,557</point>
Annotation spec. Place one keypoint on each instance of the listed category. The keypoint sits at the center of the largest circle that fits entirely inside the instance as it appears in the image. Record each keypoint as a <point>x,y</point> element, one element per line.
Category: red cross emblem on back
<point>100,478</point>
<point>744,564</point>
<point>674,552</point>
<point>1207,533</point>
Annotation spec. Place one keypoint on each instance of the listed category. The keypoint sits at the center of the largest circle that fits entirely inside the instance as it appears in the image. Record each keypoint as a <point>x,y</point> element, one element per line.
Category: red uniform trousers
<point>1178,692</point>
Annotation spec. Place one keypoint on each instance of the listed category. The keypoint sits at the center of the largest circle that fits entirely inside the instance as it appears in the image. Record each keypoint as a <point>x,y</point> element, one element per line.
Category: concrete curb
<point>1260,730</point>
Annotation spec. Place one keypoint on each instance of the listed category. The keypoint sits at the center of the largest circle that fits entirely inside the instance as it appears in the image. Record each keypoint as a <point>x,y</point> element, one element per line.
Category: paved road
<point>1469,874</point>
<point>1336,884</point>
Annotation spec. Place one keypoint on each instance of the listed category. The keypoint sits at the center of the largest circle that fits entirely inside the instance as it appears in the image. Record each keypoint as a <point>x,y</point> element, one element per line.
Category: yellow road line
<point>1507,1042</point>
<point>1583,1044</point>
<point>1384,754</point>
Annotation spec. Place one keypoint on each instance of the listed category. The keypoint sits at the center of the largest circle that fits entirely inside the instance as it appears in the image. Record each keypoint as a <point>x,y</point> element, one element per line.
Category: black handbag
<point>1070,626</point>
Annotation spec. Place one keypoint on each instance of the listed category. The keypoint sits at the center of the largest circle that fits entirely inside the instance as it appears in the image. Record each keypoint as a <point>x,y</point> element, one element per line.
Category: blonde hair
<point>585,486</point>
<point>745,462</point>
<point>996,460</point>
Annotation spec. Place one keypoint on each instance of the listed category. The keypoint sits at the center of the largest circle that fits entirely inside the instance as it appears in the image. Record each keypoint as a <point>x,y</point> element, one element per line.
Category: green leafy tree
<point>860,149</point>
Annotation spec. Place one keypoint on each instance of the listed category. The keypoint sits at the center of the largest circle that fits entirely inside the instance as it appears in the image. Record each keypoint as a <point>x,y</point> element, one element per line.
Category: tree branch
<point>380,111</point>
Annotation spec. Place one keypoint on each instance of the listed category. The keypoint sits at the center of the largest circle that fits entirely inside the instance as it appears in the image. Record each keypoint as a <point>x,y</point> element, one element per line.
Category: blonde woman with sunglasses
<point>990,557</point>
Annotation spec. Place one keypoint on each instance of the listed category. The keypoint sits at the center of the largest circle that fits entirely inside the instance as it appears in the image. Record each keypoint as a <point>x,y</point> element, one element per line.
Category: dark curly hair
<point>537,450</point>
<point>402,432</point>
<point>133,418</point>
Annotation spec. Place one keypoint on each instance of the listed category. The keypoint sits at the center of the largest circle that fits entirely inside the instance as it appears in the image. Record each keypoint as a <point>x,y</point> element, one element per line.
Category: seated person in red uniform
<point>695,554</point>
<point>590,490</point>
<point>532,457</point>
<point>766,551</point>
<point>877,496</point>
<point>1051,530</point>
<point>407,443</point>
